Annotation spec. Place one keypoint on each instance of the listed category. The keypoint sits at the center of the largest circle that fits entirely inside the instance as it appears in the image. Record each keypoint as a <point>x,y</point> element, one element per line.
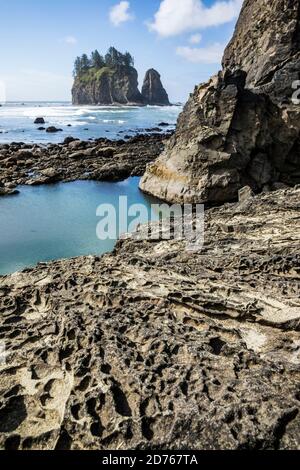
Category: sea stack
<point>113,80</point>
<point>242,128</point>
<point>107,86</point>
<point>153,91</point>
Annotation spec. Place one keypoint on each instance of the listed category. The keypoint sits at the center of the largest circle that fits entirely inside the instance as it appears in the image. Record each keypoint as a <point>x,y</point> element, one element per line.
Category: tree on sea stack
<point>97,60</point>
<point>113,59</point>
<point>128,60</point>
<point>85,63</point>
<point>77,67</point>
<point>113,79</point>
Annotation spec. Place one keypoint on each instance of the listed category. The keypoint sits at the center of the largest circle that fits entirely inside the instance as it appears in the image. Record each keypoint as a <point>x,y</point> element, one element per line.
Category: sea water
<point>83,122</point>
<point>44,223</point>
<point>59,221</point>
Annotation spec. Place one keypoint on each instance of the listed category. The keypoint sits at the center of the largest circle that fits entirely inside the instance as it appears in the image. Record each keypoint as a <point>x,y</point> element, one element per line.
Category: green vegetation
<point>94,74</point>
<point>96,65</point>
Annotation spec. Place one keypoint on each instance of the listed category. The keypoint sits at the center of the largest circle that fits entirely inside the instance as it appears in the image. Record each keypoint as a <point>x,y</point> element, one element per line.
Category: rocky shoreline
<point>151,347</point>
<point>101,159</point>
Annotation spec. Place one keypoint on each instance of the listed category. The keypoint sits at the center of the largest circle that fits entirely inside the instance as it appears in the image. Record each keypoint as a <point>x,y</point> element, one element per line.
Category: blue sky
<point>182,39</point>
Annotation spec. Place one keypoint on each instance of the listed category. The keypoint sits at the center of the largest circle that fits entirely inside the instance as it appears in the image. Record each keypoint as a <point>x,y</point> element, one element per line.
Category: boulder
<point>50,173</point>
<point>8,191</point>
<point>106,152</point>
<point>39,120</point>
<point>53,129</point>
<point>69,140</point>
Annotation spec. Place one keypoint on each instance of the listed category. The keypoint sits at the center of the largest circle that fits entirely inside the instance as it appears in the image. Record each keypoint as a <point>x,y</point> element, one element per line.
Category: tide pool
<point>51,222</point>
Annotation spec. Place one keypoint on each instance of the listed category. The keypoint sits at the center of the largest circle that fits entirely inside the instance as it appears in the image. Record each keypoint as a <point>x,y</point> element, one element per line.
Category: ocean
<point>59,221</point>
<point>83,122</point>
<point>49,222</point>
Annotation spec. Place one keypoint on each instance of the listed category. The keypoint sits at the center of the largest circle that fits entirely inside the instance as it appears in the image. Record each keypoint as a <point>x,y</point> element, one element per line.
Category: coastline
<point>100,160</point>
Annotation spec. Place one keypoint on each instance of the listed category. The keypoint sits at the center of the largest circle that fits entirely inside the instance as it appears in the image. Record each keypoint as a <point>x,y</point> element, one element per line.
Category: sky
<point>182,39</point>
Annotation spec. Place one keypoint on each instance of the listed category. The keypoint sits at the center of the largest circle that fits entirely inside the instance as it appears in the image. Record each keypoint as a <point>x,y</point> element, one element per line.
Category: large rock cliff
<point>107,86</point>
<point>118,85</point>
<point>242,127</point>
<point>153,91</point>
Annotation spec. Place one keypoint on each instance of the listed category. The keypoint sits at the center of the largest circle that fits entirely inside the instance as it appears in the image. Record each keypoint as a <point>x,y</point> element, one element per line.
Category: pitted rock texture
<point>242,127</point>
<point>101,159</point>
<point>154,347</point>
<point>153,91</point>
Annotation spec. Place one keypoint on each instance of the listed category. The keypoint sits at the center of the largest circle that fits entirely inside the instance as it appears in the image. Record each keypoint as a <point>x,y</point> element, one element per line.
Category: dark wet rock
<point>153,129</point>
<point>75,159</point>
<point>156,347</point>
<point>6,191</point>
<point>242,127</point>
<point>39,120</point>
<point>68,140</point>
<point>53,129</point>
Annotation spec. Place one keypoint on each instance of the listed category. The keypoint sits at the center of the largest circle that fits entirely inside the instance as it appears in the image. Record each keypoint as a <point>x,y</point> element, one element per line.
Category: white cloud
<point>70,40</point>
<point>202,55</point>
<point>177,16</point>
<point>120,13</point>
<point>195,39</point>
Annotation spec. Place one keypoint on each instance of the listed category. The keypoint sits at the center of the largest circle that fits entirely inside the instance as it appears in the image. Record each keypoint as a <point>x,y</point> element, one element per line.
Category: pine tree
<point>97,60</point>
<point>85,63</point>
<point>128,60</point>
<point>77,67</point>
<point>113,58</point>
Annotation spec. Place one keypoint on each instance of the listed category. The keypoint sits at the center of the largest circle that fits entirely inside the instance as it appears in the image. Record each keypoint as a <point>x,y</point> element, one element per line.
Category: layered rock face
<point>153,347</point>
<point>242,127</point>
<point>266,45</point>
<point>153,91</point>
<point>108,86</point>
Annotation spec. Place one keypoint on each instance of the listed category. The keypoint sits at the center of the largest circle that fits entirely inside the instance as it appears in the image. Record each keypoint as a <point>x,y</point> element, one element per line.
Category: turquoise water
<point>58,221</point>
<point>87,122</point>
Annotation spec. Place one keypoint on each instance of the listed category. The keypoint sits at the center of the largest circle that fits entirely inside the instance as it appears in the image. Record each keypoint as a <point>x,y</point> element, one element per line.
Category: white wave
<point>113,121</point>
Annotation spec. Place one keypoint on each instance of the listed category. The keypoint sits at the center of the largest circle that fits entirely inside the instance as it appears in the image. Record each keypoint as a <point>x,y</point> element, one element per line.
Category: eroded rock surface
<point>242,127</point>
<point>154,347</point>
